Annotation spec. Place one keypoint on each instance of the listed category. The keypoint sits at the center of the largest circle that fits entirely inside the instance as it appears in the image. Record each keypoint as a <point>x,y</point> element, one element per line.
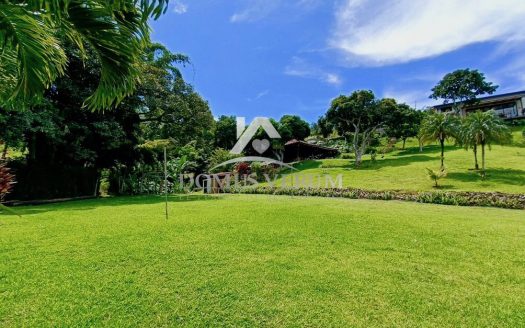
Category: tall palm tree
<point>468,140</point>
<point>32,33</point>
<point>485,129</point>
<point>440,127</point>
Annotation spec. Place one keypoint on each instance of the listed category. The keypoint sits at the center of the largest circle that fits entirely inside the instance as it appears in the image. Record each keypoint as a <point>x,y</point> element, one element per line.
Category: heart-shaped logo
<point>260,145</point>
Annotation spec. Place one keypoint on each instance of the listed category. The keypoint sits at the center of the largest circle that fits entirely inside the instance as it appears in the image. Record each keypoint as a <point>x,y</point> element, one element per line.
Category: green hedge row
<point>492,199</point>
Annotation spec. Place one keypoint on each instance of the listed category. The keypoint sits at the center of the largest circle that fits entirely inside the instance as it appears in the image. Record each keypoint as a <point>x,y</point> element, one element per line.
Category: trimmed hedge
<point>489,199</point>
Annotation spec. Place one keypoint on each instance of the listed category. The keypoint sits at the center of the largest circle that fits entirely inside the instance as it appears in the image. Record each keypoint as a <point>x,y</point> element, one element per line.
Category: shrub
<point>262,169</point>
<point>514,201</point>
<point>219,156</point>
<point>7,180</point>
<point>347,156</point>
<point>436,176</point>
<point>257,168</point>
<point>242,168</point>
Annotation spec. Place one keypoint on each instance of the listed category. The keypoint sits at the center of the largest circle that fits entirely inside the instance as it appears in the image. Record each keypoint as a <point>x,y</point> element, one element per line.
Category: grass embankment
<point>244,260</point>
<point>405,169</point>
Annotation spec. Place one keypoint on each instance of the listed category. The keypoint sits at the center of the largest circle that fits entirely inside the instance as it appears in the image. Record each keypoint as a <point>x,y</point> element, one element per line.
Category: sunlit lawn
<point>247,260</point>
<point>405,169</point>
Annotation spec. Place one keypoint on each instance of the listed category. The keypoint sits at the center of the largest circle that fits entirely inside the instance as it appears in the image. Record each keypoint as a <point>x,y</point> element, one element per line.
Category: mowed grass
<point>406,169</point>
<point>255,260</point>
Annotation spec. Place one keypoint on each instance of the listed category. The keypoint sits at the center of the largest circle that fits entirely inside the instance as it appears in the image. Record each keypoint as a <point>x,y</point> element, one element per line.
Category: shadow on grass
<point>430,149</point>
<point>307,165</point>
<point>83,205</point>
<point>394,162</point>
<point>499,175</point>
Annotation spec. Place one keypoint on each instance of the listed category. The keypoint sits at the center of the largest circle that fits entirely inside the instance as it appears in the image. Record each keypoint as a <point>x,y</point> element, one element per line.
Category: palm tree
<point>468,141</point>
<point>439,127</point>
<point>32,34</point>
<point>485,129</point>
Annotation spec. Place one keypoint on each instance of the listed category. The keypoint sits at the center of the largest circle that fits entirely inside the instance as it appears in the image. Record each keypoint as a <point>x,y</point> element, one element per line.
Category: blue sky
<point>275,57</point>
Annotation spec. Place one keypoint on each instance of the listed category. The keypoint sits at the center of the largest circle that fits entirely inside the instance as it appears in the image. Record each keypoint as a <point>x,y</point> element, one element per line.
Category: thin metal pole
<point>166,181</point>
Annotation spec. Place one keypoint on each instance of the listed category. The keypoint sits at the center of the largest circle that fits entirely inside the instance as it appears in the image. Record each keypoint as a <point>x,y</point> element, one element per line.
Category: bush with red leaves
<point>242,168</point>
<point>7,180</point>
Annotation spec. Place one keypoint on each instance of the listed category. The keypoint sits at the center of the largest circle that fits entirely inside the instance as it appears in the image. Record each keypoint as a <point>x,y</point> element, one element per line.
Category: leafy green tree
<point>359,115</point>
<point>484,129</point>
<point>13,123</point>
<point>323,127</point>
<point>405,122</point>
<point>33,34</point>
<point>225,132</point>
<point>293,127</point>
<point>219,156</point>
<point>169,107</point>
<point>16,125</point>
<point>440,127</point>
<point>462,86</point>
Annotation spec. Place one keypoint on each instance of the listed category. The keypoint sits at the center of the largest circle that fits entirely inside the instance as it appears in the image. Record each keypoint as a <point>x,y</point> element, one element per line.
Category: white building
<point>508,106</point>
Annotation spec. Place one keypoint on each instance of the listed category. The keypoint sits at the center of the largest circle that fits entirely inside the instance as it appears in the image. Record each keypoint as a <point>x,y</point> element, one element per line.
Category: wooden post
<point>166,181</point>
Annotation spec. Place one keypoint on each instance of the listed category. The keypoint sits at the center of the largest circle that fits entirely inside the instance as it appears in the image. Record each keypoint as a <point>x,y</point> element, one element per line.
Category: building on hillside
<point>297,150</point>
<point>508,106</point>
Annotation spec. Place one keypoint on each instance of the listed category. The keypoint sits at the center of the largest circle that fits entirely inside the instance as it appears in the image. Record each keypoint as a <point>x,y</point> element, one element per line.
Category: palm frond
<point>117,42</point>
<point>39,55</point>
<point>150,8</point>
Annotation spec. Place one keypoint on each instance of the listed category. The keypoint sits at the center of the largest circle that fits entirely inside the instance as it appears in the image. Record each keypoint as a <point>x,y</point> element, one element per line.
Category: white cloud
<point>301,68</point>
<point>179,7</point>
<point>379,32</point>
<point>258,10</point>
<point>261,94</point>
<point>332,78</point>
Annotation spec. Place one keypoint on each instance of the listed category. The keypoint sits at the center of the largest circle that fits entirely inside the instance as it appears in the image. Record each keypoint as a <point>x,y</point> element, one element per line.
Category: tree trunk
<point>442,143</point>
<point>475,149</point>
<point>4,152</point>
<point>404,142</point>
<point>483,159</point>
<point>357,150</point>
<point>358,157</point>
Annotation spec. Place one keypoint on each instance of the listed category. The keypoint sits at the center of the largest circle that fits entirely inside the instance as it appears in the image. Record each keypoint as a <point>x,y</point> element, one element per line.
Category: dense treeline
<point>88,99</point>
<point>67,148</point>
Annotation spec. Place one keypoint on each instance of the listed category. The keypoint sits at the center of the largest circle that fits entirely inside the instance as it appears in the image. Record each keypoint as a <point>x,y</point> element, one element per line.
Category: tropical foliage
<point>440,127</point>
<point>435,176</point>
<point>7,180</point>
<point>405,122</point>
<point>33,34</point>
<point>484,129</point>
<point>357,115</point>
<point>360,116</point>
<point>462,87</point>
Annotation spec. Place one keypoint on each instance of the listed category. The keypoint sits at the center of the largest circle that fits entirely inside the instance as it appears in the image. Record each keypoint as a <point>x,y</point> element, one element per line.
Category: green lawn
<point>405,169</point>
<point>248,260</point>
